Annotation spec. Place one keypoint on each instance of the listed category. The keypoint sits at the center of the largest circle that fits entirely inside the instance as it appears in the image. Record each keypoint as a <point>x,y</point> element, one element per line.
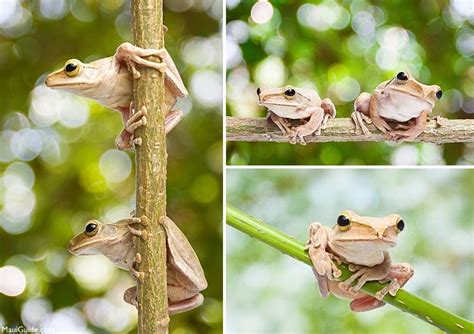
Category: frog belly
<point>402,109</point>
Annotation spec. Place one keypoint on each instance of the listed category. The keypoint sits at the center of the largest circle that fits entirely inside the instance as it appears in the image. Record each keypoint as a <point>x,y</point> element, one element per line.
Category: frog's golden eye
<point>402,77</point>
<point>343,222</point>
<point>400,225</point>
<point>72,67</point>
<point>91,229</point>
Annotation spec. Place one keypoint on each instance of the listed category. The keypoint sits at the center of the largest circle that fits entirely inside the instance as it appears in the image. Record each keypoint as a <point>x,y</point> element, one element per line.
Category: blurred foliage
<point>71,173</point>
<point>342,48</point>
<point>268,292</point>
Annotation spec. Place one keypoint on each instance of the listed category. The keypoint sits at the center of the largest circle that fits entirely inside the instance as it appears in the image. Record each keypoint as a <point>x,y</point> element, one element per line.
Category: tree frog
<point>185,277</point>
<point>109,81</point>
<point>363,243</point>
<point>287,103</point>
<point>402,101</point>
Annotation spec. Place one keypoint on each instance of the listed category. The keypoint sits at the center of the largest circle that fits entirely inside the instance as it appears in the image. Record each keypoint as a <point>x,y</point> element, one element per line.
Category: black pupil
<point>439,94</point>
<point>70,67</point>
<point>343,220</point>
<point>90,228</point>
<point>402,76</point>
<point>290,92</point>
<point>401,225</point>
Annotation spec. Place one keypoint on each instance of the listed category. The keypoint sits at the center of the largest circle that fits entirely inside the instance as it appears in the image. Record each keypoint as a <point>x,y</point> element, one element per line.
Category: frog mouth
<point>383,240</point>
<point>263,102</point>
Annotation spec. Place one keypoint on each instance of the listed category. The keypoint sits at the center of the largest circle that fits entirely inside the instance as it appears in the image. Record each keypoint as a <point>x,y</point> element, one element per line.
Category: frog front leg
<point>323,265</point>
<point>414,130</point>
<point>313,125</point>
<point>138,275</point>
<point>361,114</point>
<point>329,112</point>
<point>132,55</point>
<point>283,124</point>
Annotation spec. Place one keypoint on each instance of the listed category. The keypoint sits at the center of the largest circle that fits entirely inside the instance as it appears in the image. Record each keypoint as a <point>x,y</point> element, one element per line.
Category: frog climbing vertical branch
<point>147,26</point>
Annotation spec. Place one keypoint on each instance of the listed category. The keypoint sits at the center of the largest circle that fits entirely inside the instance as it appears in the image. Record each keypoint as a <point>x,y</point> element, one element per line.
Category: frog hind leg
<point>186,304</point>
<point>174,307</point>
<point>313,126</point>
<point>414,131</point>
<point>323,285</point>
<point>130,296</point>
<point>400,274</point>
<point>365,303</point>
<point>172,119</point>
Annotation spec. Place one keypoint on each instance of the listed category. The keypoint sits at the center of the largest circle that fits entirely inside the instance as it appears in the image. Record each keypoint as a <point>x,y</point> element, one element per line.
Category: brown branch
<point>342,130</point>
<point>147,26</point>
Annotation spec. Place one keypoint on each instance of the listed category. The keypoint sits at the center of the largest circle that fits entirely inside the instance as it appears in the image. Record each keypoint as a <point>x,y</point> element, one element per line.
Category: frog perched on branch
<point>185,277</point>
<point>291,103</point>
<point>109,81</point>
<point>363,243</point>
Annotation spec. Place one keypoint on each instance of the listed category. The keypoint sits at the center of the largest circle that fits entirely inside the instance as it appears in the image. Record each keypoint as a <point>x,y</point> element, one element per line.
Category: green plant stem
<point>405,301</point>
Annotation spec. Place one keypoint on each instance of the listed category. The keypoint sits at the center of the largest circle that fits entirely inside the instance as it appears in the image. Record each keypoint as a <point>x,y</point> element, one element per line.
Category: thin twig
<point>342,130</point>
<point>147,25</point>
<point>405,301</point>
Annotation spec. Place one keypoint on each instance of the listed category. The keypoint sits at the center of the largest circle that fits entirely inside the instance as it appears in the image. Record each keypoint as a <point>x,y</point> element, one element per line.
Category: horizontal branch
<point>405,301</point>
<point>342,130</point>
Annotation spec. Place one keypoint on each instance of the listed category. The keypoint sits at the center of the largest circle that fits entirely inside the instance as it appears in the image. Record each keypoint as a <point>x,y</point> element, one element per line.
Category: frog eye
<point>91,229</point>
<point>290,92</point>
<point>439,94</point>
<point>72,67</point>
<point>402,76</point>
<point>344,222</point>
<point>400,225</point>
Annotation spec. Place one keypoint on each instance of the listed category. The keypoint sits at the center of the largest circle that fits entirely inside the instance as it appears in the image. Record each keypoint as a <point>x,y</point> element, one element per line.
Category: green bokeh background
<point>268,292</point>
<point>69,185</point>
<point>322,58</point>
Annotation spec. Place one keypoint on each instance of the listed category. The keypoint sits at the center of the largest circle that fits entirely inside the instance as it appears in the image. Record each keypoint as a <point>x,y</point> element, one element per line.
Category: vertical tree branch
<point>147,26</point>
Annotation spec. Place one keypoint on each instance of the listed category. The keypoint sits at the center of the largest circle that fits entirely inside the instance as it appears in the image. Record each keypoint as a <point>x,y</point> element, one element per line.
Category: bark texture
<point>147,26</point>
<point>342,130</point>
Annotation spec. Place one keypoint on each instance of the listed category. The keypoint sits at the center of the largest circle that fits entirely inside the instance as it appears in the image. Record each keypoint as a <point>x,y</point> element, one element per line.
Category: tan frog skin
<point>363,243</point>
<point>109,81</point>
<point>291,103</point>
<point>402,101</point>
<point>185,277</point>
